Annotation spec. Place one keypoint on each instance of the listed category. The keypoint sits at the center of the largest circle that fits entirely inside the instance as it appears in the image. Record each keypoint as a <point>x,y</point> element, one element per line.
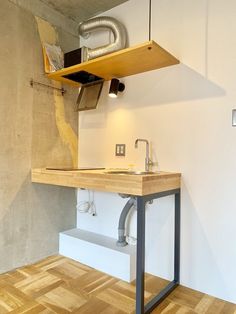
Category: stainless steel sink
<point>128,172</point>
<point>144,172</point>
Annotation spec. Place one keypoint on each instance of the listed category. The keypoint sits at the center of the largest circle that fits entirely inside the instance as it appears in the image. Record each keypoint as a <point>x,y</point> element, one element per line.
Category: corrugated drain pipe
<point>104,23</point>
<point>121,229</point>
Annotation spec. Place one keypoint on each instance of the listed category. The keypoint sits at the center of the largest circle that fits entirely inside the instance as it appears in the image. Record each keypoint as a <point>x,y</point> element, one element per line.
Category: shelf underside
<point>138,59</point>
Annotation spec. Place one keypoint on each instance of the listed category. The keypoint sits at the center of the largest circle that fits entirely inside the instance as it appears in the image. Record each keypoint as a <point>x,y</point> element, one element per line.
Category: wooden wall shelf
<point>141,58</point>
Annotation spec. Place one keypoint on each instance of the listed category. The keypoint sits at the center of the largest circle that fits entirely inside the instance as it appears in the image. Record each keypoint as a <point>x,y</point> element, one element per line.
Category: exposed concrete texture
<point>67,13</point>
<point>42,10</point>
<point>80,10</point>
<point>31,215</point>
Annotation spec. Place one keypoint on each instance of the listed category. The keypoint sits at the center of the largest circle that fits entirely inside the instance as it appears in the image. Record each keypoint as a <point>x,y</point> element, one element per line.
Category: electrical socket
<point>120,150</point>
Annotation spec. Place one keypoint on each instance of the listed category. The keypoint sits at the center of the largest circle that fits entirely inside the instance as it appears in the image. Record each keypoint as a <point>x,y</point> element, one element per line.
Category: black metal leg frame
<point>141,202</point>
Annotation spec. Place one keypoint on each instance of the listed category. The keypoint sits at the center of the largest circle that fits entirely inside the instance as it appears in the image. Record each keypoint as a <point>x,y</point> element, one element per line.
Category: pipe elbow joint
<point>101,23</point>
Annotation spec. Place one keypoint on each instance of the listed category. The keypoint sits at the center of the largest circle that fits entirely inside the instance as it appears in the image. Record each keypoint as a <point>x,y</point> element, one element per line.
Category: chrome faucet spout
<point>148,161</point>
<point>140,140</point>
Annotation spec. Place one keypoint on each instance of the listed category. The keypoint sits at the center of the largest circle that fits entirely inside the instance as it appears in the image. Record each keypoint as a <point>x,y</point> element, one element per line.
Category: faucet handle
<point>150,162</point>
<point>155,163</point>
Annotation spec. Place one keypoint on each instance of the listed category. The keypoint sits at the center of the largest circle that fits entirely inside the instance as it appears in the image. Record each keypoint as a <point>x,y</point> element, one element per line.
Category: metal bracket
<point>32,83</point>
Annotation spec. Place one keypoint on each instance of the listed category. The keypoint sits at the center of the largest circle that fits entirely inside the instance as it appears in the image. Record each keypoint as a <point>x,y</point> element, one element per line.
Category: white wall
<point>185,111</point>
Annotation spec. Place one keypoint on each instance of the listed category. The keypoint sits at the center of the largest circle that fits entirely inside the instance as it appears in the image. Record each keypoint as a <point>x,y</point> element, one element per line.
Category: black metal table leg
<point>177,238</point>
<point>140,255</point>
<point>140,263</point>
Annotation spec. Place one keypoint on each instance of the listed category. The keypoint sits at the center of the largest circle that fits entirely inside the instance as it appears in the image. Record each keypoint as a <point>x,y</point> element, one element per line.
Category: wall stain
<point>48,34</point>
<point>65,130</point>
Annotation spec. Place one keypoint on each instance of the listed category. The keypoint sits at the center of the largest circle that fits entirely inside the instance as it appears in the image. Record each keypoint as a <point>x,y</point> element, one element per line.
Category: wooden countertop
<point>99,180</point>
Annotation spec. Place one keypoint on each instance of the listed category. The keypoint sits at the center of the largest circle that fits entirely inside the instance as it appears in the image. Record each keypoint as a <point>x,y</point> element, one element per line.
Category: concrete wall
<point>185,111</point>
<point>31,135</point>
<point>47,13</point>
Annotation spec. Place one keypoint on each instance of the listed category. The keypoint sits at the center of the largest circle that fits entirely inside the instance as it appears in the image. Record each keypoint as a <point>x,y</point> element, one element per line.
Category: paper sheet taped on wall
<point>53,58</point>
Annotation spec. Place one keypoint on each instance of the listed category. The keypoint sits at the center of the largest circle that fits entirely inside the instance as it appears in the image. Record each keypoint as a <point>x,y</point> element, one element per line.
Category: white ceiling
<point>81,10</point>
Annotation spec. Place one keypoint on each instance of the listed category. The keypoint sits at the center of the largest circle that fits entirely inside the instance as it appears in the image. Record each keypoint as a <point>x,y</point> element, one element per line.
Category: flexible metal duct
<point>101,23</point>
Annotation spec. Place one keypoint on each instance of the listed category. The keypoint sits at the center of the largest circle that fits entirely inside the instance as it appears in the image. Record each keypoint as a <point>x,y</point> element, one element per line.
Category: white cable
<point>83,207</point>
<point>92,209</point>
<point>87,206</point>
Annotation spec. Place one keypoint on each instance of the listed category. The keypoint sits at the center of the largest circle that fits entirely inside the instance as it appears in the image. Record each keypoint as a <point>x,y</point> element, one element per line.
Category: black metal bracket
<point>141,308</point>
<point>62,90</point>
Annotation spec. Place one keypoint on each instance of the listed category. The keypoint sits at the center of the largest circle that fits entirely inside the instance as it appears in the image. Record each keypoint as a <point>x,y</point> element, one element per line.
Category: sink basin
<point>128,172</point>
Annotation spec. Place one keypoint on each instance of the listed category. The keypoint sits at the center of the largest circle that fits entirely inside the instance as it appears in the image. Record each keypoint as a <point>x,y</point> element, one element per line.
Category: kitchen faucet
<point>148,161</point>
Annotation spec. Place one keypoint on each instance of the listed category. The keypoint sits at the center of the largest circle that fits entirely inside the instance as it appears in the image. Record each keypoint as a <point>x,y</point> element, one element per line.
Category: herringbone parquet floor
<point>60,285</point>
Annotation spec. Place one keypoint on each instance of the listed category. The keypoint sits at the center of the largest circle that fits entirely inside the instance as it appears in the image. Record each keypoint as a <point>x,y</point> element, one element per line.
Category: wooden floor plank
<point>117,300</point>
<point>204,304</point>
<point>67,271</point>
<point>94,306</point>
<point>39,284</point>
<point>50,262</point>
<point>28,271</point>
<point>112,310</point>
<point>62,300</point>
<point>32,308</point>
<point>14,277</point>
<point>154,284</point>
<point>11,298</point>
<point>186,297</point>
<point>61,285</point>
<point>162,307</point>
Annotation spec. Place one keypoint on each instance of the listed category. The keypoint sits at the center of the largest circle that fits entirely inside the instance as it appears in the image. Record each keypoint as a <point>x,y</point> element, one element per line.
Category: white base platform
<point>99,252</point>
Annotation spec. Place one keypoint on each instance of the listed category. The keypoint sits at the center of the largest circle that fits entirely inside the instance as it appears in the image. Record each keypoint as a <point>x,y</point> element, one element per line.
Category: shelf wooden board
<point>141,58</point>
<point>98,180</point>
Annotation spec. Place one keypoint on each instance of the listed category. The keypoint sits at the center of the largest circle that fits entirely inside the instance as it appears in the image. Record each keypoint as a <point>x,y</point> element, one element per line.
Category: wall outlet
<point>120,150</point>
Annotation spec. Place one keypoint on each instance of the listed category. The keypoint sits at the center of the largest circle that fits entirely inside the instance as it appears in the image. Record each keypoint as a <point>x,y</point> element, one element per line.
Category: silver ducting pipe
<point>103,23</point>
